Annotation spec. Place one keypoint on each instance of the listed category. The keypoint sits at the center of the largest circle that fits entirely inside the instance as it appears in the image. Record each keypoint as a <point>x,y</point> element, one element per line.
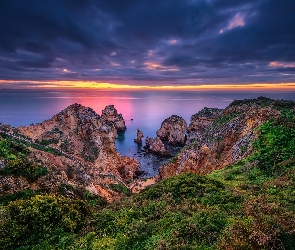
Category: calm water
<point>147,109</point>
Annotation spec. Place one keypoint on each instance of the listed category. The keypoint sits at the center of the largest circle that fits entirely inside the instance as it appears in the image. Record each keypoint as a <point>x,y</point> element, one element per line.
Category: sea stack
<point>139,137</point>
<point>173,130</point>
<point>111,116</point>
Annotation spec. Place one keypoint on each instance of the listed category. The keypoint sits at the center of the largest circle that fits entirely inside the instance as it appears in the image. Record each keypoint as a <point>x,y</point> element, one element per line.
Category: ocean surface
<point>141,109</point>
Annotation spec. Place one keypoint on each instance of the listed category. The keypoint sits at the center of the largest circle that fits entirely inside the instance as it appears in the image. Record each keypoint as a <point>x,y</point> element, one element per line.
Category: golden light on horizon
<point>122,86</point>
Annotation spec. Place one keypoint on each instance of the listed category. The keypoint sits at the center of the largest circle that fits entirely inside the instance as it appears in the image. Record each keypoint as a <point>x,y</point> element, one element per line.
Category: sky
<point>147,42</point>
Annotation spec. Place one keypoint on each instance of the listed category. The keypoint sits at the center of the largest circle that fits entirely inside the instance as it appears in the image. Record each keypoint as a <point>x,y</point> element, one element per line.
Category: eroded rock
<point>139,137</point>
<point>111,116</point>
<point>156,146</point>
<point>173,130</point>
<point>82,134</point>
<point>223,137</point>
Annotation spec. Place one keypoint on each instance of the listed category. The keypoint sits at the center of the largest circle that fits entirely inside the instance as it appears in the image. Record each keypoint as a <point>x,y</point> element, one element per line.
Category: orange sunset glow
<point>122,86</point>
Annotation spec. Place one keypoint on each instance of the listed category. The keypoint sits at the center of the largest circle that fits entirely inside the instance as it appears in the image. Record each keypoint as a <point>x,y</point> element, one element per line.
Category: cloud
<point>154,41</point>
<point>282,65</point>
<point>237,21</point>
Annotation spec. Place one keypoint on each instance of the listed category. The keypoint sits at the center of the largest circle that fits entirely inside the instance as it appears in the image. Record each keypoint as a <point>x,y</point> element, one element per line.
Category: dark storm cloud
<point>148,40</point>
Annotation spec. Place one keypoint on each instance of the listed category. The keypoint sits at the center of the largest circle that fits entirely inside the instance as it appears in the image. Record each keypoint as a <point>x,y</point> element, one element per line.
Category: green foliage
<point>29,221</point>
<point>120,188</point>
<point>21,195</point>
<point>20,167</point>
<point>224,118</point>
<point>275,145</point>
<point>183,186</point>
<point>10,150</point>
<point>24,144</point>
<point>16,163</point>
<point>91,199</point>
<point>46,148</point>
<point>48,142</point>
<point>94,200</point>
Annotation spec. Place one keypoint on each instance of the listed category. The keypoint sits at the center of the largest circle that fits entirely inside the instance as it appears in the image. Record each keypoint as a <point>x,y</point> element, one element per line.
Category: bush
<point>275,145</point>
<point>30,221</point>
<point>20,167</point>
<point>186,185</point>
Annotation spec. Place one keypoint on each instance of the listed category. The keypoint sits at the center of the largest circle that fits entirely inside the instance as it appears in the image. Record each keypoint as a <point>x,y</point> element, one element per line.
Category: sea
<point>145,110</point>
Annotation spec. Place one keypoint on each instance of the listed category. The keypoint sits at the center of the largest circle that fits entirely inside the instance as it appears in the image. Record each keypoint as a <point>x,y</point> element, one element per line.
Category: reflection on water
<point>147,109</point>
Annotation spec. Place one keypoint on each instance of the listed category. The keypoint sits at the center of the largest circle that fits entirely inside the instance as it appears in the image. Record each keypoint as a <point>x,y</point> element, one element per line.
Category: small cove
<point>141,109</point>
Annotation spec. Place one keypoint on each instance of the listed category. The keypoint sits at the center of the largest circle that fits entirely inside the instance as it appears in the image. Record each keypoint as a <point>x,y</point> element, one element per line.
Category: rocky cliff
<point>77,147</point>
<point>218,138</point>
<point>200,122</point>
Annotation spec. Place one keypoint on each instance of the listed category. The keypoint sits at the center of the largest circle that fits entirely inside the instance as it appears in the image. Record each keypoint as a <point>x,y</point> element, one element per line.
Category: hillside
<point>239,196</point>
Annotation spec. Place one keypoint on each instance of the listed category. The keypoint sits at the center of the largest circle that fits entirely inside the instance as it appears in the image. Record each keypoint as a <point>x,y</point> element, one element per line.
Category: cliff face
<point>79,131</point>
<point>219,138</point>
<point>77,148</point>
<point>200,122</point>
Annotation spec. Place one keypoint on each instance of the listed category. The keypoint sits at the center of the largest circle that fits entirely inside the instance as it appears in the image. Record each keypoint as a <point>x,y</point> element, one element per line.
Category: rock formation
<point>201,121</point>
<point>85,143</point>
<point>139,137</point>
<point>173,130</point>
<point>111,116</point>
<point>156,146</point>
<point>225,139</point>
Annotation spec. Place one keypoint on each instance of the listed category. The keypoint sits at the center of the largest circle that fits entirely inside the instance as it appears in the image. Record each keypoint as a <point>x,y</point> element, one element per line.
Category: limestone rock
<point>139,137</point>
<point>80,132</point>
<point>201,121</point>
<point>173,130</point>
<point>226,139</point>
<point>111,116</point>
<point>156,146</point>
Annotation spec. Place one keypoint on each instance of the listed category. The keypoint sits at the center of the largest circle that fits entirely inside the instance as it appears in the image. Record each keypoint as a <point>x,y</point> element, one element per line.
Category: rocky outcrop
<point>156,146</point>
<point>111,116</point>
<point>139,136</point>
<point>173,130</point>
<point>201,121</point>
<point>81,133</point>
<point>225,139</point>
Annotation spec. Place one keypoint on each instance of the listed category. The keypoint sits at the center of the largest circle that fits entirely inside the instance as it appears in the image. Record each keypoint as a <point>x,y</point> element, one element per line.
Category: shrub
<point>33,220</point>
<point>20,167</point>
<point>275,145</point>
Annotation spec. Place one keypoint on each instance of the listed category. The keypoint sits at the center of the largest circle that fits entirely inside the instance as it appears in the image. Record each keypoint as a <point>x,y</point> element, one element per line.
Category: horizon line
<point>54,84</point>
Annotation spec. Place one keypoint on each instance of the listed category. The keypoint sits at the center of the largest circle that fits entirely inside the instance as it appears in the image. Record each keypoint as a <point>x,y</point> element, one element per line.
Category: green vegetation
<point>28,222</point>
<point>120,188</point>
<point>48,142</point>
<point>33,145</point>
<point>15,161</point>
<point>91,199</point>
<point>21,195</point>
<point>276,146</point>
<point>21,167</point>
<point>224,118</point>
